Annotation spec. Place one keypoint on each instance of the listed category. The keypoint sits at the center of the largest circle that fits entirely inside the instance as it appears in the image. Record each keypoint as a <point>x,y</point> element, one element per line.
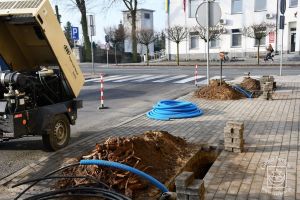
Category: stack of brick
<point>189,188</point>
<point>265,79</point>
<point>233,137</point>
<point>267,90</point>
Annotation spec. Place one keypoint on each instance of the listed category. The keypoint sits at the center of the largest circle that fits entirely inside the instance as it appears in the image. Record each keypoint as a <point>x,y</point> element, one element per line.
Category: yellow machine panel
<point>31,37</point>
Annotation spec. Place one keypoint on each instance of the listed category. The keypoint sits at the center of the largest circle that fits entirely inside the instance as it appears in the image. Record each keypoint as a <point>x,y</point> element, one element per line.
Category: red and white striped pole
<point>101,92</point>
<point>196,74</point>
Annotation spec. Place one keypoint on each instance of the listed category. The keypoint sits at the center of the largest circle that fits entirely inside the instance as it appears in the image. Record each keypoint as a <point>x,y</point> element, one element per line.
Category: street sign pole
<point>207,37</point>
<point>92,33</point>
<point>281,26</point>
<point>92,52</point>
<point>208,14</point>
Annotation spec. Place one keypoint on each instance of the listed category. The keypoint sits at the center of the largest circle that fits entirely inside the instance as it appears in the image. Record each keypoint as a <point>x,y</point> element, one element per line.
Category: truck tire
<point>59,135</point>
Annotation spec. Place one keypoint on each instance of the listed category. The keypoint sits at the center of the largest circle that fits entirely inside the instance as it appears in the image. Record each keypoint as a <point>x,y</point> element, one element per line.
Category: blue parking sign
<point>75,33</point>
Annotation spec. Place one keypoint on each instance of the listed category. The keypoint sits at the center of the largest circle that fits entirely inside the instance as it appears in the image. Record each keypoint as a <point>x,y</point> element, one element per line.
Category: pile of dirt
<point>157,153</point>
<point>217,91</point>
<point>250,84</point>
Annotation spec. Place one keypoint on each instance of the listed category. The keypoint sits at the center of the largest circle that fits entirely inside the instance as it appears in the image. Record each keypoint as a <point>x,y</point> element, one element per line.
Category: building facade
<point>236,14</point>
<point>144,21</point>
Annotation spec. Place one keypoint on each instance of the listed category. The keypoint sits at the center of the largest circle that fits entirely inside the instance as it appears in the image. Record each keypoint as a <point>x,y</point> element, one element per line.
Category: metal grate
<point>27,4</point>
<point>7,4</point>
<point>21,4</point>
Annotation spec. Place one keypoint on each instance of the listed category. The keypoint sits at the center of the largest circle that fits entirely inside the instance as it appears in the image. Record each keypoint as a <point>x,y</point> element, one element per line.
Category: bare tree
<point>81,5</point>
<point>116,37</point>
<point>131,6</point>
<point>146,37</point>
<point>176,34</point>
<point>258,32</point>
<point>214,32</point>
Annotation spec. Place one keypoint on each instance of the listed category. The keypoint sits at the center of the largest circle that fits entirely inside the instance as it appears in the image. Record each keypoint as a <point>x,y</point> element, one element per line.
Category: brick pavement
<point>271,133</point>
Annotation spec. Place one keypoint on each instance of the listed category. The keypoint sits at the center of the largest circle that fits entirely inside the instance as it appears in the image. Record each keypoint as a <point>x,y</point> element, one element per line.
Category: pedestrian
<point>270,50</point>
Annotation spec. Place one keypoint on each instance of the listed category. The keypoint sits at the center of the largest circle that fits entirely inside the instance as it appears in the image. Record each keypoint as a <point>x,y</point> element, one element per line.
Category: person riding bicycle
<point>270,50</point>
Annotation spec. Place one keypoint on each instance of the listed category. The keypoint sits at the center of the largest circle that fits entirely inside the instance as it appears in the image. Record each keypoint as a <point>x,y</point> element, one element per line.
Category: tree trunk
<point>177,56</point>
<point>258,52</point>
<point>147,54</point>
<point>133,37</point>
<point>87,43</point>
<point>116,61</point>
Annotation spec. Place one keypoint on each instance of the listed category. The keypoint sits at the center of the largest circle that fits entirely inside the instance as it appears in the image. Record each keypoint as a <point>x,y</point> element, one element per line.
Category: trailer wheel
<point>59,135</point>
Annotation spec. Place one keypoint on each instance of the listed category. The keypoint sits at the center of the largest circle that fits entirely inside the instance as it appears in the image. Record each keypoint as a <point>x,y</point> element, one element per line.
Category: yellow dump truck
<point>40,77</point>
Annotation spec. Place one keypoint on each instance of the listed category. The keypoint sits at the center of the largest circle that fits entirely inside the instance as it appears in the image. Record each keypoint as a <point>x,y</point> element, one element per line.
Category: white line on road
<point>170,78</point>
<point>150,78</point>
<point>114,78</point>
<point>189,79</point>
<point>132,78</point>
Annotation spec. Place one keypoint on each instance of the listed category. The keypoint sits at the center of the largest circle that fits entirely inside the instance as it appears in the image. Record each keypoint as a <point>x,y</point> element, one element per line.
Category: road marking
<point>189,79</point>
<point>132,78</point>
<point>170,79</point>
<point>150,78</point>
<point>114,78</point>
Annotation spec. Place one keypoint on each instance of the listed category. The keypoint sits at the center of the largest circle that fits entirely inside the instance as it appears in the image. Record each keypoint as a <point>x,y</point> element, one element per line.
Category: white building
<point>237,14</point>
<point>144,21</point>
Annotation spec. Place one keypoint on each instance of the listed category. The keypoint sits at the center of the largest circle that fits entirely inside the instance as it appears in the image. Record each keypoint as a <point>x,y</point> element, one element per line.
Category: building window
<point>236,6</point>
<point>146,15</point>
<point>260,5</point>
<point>262,42</point>
<point>193,5</point>
<point>215,43</point>
<point>236,38</point>
<point>293,3</point>
<point>194,40</point>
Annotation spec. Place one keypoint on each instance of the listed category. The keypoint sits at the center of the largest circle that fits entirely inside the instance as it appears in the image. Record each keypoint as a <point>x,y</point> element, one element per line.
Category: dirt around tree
<point>157,153</point>
<point>217,91</point>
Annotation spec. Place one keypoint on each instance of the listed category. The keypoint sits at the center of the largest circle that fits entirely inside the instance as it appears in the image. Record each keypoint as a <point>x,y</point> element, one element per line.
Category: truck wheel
<point>59,135</point>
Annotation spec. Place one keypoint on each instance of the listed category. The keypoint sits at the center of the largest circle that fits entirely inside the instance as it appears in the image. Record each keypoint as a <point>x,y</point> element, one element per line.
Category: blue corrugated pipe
<point>244,92</point>
<point>116,165</point>
<point>170,109</point>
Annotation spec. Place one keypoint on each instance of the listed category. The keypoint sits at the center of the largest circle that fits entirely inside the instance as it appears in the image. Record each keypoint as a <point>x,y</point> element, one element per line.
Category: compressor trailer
<point>40,78</point>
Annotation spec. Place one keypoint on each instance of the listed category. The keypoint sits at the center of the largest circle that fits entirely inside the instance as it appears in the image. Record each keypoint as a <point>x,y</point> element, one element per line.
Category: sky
<point>111,17</point>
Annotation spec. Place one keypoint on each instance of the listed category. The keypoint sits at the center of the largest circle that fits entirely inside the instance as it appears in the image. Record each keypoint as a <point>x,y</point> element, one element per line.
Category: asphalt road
<point>125,99</point>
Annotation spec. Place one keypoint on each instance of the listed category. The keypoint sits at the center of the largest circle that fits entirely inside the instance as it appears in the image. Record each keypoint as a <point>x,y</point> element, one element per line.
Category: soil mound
<point>157,153</point>
<point>250,84</point>
<point>215,91</point>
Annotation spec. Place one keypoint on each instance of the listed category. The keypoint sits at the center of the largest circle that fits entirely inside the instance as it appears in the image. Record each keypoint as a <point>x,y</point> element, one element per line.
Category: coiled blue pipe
<point>170,109</point>
<point>116,165</point>
<point>244,92</point>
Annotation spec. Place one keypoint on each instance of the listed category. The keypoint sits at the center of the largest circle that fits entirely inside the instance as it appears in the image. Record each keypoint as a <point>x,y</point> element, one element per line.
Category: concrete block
<point>182,196</point>
<point>184,179</point>
<point>238,150</point>
<point>235,124</point>
<point>238,135</point>
<point>194,197</point>
<point>228,149</point>
<point>196,188</point>
<point>233,141</point>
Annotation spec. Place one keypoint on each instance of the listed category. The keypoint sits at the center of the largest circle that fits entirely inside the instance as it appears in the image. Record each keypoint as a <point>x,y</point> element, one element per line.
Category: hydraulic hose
<point>116,165</point>
<point>170,109</point>
<point>244,92</point>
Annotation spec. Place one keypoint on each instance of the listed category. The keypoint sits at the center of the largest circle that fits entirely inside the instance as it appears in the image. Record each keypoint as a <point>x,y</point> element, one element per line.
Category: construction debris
<point>215,91</point>
<point>233,137</point>
<point>157,153</point>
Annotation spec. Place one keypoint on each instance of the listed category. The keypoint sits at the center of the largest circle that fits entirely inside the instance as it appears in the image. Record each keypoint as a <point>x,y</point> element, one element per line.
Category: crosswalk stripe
<point>150,78</point>
<point>186,80</point>
<point>170,78</point>
<point>114,78</point>
<point>132,78</point>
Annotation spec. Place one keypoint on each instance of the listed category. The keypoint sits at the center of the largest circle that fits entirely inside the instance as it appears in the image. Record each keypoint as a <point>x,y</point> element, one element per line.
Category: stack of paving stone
<point>233,137</point>
<point>189,188</point>
<point>267,85</point>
